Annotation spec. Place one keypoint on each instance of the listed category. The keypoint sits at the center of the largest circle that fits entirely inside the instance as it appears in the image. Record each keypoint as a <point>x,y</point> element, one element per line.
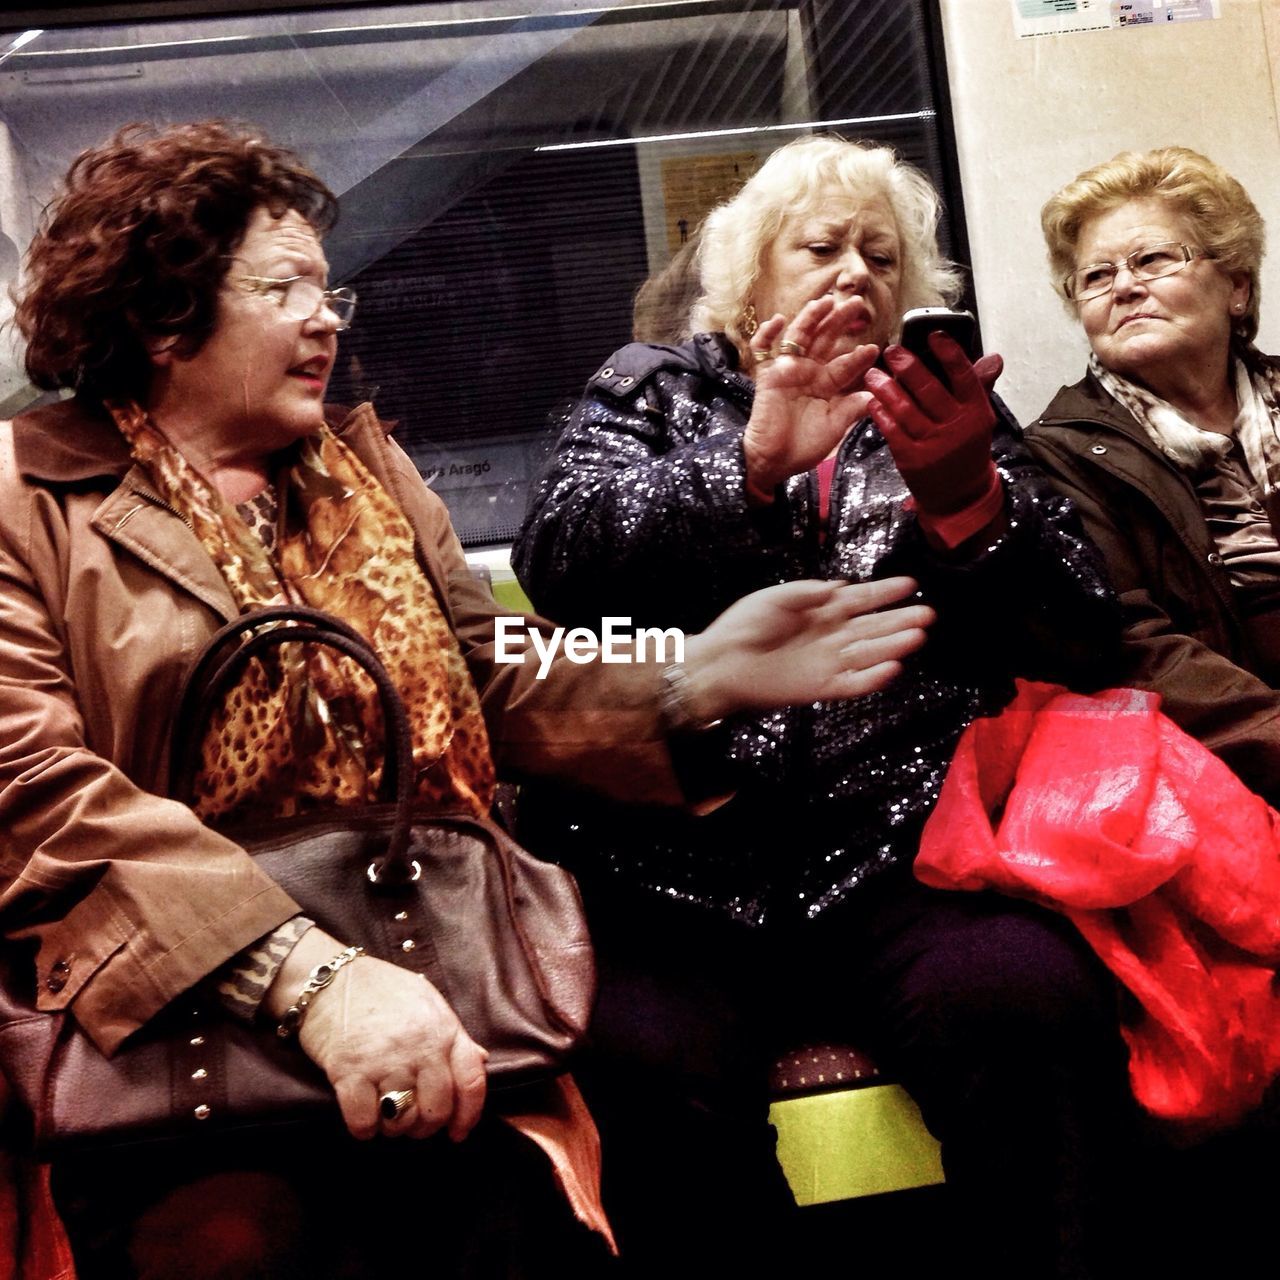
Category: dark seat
<point>821,1067</point>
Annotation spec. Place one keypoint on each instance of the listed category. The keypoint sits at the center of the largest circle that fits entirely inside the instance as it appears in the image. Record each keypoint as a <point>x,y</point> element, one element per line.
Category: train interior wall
<point>1030,113</point>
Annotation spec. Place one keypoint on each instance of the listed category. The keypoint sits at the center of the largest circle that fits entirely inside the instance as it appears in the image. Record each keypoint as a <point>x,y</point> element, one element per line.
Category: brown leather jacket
<point>106,596</point>
<point>1183,637</point>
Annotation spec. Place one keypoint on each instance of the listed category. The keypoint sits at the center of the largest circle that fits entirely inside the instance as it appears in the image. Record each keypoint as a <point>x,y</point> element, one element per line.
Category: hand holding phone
<point>939,431</point>
<point>920,322</point>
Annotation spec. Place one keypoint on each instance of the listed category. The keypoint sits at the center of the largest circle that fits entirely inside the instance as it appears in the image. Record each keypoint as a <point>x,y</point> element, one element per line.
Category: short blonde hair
<point>1223,218</point>
<point>796,176</point>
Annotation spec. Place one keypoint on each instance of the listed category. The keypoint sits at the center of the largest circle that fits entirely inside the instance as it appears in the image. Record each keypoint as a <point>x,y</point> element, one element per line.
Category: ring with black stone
<point>391,1106</point>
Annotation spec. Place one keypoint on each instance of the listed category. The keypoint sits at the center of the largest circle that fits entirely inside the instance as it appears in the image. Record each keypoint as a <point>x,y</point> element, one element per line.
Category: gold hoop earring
<point>748,322</point>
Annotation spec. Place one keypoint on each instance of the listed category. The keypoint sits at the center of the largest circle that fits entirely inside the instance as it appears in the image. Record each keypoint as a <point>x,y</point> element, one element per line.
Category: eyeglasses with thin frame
<point>300,298</point>
<point>1150,262</point>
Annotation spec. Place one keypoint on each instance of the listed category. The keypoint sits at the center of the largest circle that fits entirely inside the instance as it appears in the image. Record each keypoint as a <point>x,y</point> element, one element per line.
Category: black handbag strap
<point>220,666</point>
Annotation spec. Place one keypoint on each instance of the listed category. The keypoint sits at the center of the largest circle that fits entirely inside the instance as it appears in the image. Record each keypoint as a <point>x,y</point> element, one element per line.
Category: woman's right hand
<point>378,1028</point>
<point>803,642</point>
<point>805,399</point>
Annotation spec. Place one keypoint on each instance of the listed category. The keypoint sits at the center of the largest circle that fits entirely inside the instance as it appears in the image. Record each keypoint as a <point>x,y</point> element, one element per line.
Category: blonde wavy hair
<point>794,179</point>
<point>1218,209</point>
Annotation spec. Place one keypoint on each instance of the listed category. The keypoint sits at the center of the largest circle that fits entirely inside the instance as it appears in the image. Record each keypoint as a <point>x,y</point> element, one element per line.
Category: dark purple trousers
<point>994,1014</point>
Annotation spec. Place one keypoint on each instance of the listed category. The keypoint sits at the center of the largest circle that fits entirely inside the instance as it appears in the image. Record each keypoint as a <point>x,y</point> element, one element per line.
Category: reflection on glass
<point>510,173</point>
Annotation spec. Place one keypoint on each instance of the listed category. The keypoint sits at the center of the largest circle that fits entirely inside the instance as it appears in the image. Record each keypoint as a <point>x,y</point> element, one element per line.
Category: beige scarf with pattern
<point>1257,388</point>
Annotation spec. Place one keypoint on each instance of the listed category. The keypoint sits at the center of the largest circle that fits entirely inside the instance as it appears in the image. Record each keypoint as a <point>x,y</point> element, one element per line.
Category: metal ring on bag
<point>375,876</point>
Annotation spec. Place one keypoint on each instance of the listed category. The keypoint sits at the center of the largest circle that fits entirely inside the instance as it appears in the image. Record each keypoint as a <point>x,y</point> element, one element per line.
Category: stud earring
<point>748,322</point>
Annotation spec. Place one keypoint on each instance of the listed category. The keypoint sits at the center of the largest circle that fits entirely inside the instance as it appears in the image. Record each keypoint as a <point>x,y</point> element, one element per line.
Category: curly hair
<point>736,234</point>
<point>136,245</point>
<point>1222,217</point>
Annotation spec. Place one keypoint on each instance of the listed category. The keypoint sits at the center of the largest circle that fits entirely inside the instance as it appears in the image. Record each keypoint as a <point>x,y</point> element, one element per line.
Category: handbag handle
<point>215,672</point>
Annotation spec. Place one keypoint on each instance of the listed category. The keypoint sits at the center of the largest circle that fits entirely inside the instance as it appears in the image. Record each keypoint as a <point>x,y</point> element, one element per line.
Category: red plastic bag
<point>1102,808</point>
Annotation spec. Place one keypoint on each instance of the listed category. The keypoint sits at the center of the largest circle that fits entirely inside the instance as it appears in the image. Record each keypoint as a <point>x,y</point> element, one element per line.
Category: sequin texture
<point>642,513</point>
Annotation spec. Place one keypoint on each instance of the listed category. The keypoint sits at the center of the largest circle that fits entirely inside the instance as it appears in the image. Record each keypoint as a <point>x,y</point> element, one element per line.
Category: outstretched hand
<point>807,395</point>
<point>804,642</point>
<point>939,435</point>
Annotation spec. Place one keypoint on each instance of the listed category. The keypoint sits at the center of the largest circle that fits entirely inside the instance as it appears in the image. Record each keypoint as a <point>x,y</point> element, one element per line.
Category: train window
<point>510,171</point>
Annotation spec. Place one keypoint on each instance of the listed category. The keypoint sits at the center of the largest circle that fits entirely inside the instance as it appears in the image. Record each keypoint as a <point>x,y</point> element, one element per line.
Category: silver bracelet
<point>317,980</point>
<point>676,703</point>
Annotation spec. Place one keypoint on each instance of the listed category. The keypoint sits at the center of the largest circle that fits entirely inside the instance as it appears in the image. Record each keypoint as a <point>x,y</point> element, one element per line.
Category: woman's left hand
<point>803,642</point>
<point>940,437</point>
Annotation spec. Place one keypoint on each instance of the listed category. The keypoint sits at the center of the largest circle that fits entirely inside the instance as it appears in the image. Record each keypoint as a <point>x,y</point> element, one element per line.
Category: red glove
<point>940,438</point>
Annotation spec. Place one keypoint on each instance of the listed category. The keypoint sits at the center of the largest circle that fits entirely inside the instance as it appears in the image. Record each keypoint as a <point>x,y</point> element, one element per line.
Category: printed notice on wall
<point>693,185</point>
<point>1057,17</point>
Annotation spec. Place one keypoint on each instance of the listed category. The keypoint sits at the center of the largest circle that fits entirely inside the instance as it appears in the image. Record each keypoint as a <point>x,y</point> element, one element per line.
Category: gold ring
<point>391,1106</point>
<point>763,357</point>
<point>789,348</point>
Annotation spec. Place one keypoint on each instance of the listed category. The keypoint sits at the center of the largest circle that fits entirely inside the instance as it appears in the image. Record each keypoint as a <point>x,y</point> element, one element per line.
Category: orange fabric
<point>1169,867</point>
<point>562,1126</point>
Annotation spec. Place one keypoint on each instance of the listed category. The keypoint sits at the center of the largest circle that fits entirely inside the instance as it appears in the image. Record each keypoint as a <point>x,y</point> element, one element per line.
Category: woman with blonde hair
<point>1170,449</point>
<point>1170,444</point>
<point>791,431</point>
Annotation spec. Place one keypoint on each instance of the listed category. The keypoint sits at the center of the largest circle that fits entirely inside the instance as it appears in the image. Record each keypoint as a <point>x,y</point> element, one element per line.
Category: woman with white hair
<point>686,476</point>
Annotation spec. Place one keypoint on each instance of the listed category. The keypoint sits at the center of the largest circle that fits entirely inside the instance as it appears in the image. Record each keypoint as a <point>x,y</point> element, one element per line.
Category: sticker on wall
<point>1190,10</point>
<point>1058,17</point>
<point>1134,13</point>
<point>1146,13</point>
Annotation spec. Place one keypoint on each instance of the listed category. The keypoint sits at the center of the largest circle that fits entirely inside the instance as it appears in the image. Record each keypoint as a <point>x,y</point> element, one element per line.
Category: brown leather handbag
<point>450,896</point>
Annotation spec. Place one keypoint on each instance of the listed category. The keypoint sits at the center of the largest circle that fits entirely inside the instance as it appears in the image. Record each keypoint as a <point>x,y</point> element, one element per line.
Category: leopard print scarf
<point>302,730</point>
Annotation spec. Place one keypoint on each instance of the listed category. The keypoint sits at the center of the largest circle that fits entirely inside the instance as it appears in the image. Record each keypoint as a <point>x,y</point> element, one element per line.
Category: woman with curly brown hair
<point>179,286</point>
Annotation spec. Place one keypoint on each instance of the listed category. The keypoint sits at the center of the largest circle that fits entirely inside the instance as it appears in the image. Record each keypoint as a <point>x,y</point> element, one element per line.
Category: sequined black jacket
<point>642,514</point>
